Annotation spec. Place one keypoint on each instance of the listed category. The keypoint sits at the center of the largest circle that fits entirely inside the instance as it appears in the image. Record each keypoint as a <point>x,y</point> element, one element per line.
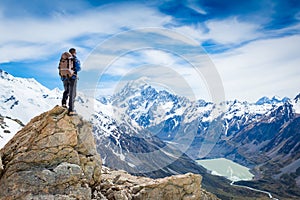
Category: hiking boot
<point>72,113</point>
<point>64,106</point>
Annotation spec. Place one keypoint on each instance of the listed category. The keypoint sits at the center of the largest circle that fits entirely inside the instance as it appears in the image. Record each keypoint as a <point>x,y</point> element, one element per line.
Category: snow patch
<point>7,131</point>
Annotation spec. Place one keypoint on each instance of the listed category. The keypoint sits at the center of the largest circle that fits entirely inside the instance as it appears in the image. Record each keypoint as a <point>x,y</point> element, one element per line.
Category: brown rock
<point>181,187</point>
<point>1,166</point>
<point>175,187</point>
<point>53,157</point>
<point>207,195</point>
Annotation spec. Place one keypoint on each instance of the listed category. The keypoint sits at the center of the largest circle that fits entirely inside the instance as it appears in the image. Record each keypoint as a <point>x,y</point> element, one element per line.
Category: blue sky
<point>252,45</point>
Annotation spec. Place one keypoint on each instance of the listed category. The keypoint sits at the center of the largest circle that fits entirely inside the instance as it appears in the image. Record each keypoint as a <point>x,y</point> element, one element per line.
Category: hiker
<point>69,77</point>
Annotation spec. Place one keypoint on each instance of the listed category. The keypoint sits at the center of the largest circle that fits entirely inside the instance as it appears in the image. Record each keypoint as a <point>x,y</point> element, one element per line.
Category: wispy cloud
<point>60,31</point>
<point>249,41</point>
<point>173,72</point>
<point>223,33</point>
<point>194,6</point>
<point>266,67</point>
<point>232,31</point>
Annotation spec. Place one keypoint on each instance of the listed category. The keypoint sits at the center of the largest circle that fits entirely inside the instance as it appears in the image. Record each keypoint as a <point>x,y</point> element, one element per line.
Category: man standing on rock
<point>69,77</point>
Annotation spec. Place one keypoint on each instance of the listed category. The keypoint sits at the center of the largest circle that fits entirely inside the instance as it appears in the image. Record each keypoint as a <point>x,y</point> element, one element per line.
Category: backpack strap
<point>69,63</point>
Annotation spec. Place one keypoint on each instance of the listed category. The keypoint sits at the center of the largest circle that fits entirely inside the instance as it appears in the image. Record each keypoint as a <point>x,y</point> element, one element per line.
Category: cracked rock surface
<point>53,157</point>
<point>119,185</point>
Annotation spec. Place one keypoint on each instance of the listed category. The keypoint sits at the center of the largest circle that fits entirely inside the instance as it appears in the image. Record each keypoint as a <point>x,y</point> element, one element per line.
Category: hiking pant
<point>70,91</point>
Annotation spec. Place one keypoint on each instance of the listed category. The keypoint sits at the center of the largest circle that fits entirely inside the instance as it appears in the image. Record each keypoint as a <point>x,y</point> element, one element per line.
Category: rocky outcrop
<point>53,157</point>
<point>123,186</point>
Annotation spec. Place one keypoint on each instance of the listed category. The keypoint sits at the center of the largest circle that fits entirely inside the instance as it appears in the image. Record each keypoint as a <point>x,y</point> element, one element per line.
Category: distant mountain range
<point>140,125</point>
<point>264,136</point>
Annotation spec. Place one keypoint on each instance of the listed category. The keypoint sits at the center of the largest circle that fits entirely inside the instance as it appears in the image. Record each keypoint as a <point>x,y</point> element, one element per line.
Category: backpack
<point>66,65</point>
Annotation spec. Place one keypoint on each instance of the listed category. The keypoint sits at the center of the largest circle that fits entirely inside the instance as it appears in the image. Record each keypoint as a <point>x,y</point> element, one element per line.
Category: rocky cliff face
<point>54,157</point>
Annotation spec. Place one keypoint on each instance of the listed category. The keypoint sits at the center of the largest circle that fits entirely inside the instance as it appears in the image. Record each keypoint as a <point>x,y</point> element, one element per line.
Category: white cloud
<point>16,52</point>
<point>61,29</point>
<point>139,47</point>
<point>194,6</point>
<point>231,31</point>
<point>179,81</point>
<point>158,57</point>
<point>194,31</point>
<point>113,65</point>
<point>294,29</point>
<point>161,68</point>
<point>225,31</point>
<point>264,67</point>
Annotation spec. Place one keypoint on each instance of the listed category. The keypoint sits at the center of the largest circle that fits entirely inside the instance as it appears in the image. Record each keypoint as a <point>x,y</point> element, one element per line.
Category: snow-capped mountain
<point>167,115</point>
<point>122,146</point>
<point>273,100</point>
<point>263,135</point>
<point>149,107</point>
<point>163,113</point>
<point>140,120</point>
<point>8,128</point>
<point>20,100</point>
<point>121,141</point>
<point>296,104</point>
<point>23,98</point>
<point>141,106</point>
<point>146,105</point>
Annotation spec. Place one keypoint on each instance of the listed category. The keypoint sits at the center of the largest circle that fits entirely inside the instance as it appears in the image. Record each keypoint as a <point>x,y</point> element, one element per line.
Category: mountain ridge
<point>166,116</point>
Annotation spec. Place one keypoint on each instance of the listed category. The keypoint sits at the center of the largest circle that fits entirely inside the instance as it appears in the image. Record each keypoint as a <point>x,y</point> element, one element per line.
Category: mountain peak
<point>273,100</point>
<point>262,100</point>
<point>5,75</point>
<point>297,98</point>
<point>134,86</point>
<point>277,99</point>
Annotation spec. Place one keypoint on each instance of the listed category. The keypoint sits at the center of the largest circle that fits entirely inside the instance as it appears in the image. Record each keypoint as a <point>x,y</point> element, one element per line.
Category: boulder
<point>53,157</point>
<point>118,184</point>
<point>186,187</point>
